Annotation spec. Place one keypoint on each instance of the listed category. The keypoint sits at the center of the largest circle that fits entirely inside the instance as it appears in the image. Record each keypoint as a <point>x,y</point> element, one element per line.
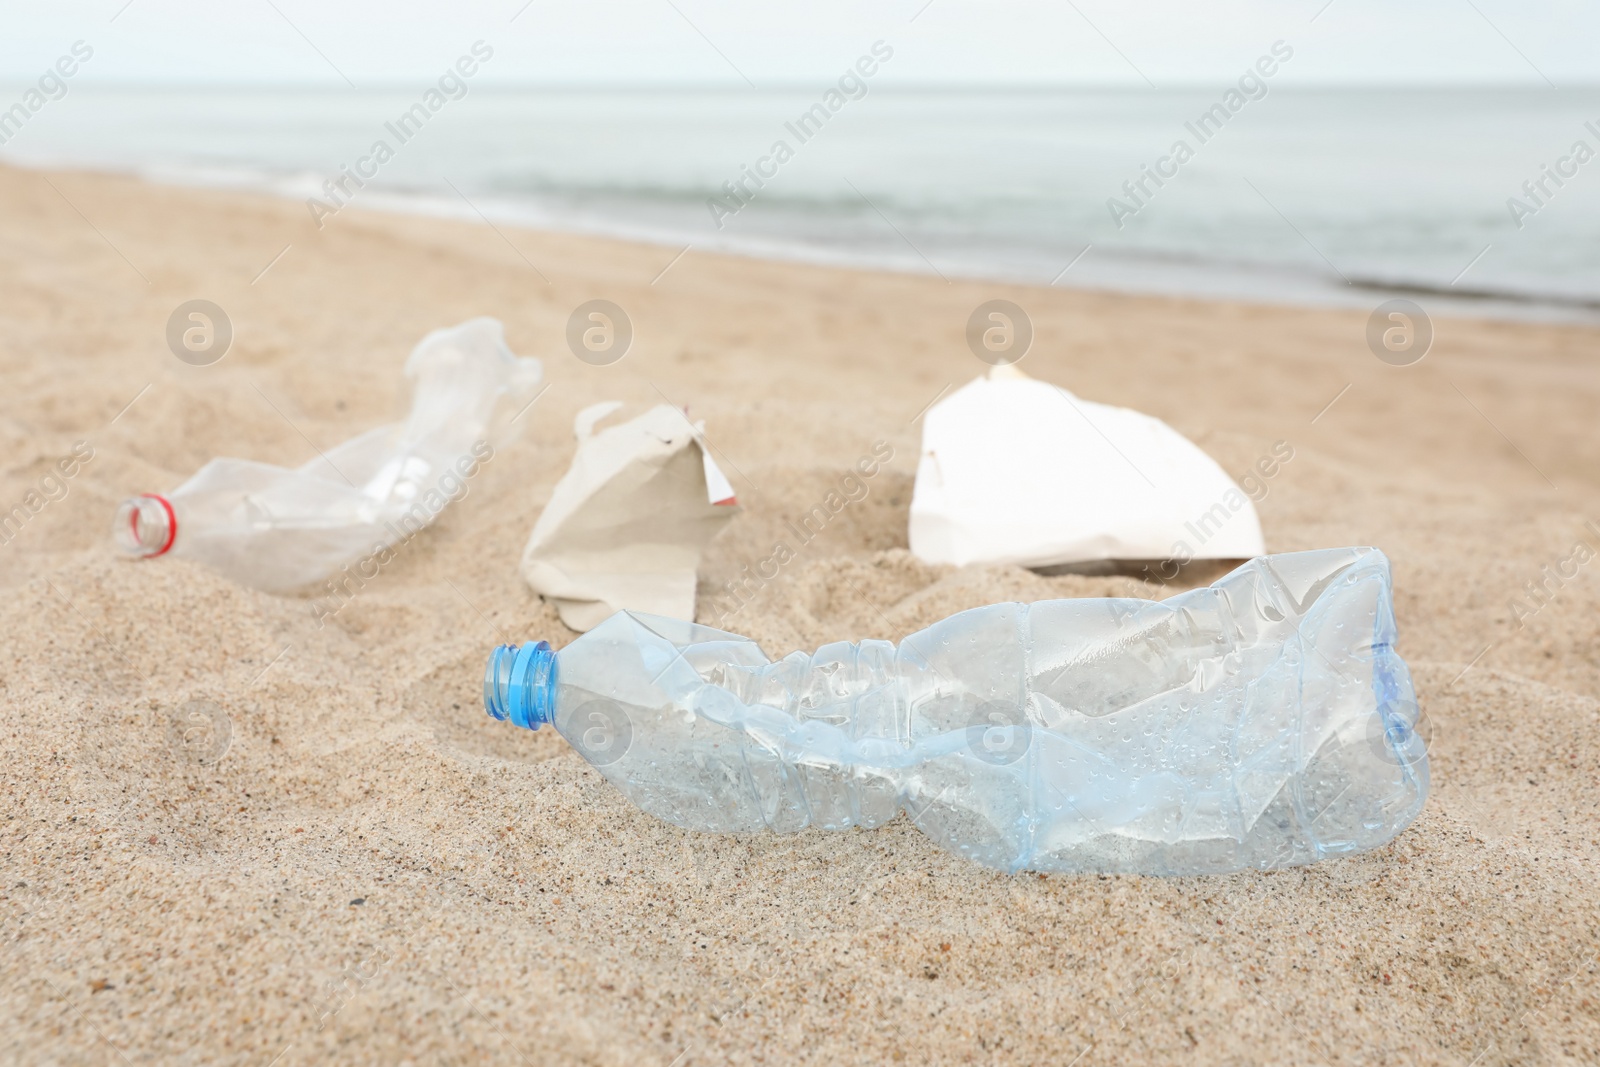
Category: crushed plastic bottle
<point>1263,722</point>
<point>279,529</point>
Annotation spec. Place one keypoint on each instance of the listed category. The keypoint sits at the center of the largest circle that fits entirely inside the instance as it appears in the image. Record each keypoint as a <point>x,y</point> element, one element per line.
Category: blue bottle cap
<point>519,684</point>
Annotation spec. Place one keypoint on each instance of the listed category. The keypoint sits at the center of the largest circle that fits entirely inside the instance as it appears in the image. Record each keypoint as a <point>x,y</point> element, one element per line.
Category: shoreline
<point>1154,275</point>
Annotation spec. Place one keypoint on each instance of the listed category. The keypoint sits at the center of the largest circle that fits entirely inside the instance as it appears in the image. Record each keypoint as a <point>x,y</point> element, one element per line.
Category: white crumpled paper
<point>1015,470</point>
<point>626,525</point>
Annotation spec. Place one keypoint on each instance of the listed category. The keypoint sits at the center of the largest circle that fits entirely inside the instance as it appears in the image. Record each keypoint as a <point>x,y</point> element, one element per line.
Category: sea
<point>1481,201</point>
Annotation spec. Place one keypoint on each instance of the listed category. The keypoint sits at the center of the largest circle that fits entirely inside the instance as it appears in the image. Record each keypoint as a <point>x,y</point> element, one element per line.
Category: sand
<point>374,872</point>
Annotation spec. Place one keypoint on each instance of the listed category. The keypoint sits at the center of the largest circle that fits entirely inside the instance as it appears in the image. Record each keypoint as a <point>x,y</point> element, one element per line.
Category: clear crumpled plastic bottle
<point>280,530</point>
<point>1265,721</point>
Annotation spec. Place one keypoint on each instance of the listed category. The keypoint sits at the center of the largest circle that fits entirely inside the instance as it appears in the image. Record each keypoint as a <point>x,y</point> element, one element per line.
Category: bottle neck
<point>145,526</point>
<point>520,684</point>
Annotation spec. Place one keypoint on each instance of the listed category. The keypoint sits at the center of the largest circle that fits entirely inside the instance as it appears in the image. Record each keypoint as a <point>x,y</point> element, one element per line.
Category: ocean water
<point>1334,196</point>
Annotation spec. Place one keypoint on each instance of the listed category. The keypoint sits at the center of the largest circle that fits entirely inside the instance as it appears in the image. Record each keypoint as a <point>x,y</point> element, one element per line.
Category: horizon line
<point>806,85</point>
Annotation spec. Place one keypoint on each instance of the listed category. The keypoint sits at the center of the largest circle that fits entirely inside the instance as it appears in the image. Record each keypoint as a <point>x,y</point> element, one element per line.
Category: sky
<point>770,43</point>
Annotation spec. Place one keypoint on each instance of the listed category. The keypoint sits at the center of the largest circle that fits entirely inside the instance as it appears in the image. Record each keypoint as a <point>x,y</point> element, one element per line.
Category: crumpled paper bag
<point>626,525</point>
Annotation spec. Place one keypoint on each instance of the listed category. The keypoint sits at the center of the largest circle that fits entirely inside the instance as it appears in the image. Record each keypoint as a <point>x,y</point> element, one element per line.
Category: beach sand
<point>375,872</point>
